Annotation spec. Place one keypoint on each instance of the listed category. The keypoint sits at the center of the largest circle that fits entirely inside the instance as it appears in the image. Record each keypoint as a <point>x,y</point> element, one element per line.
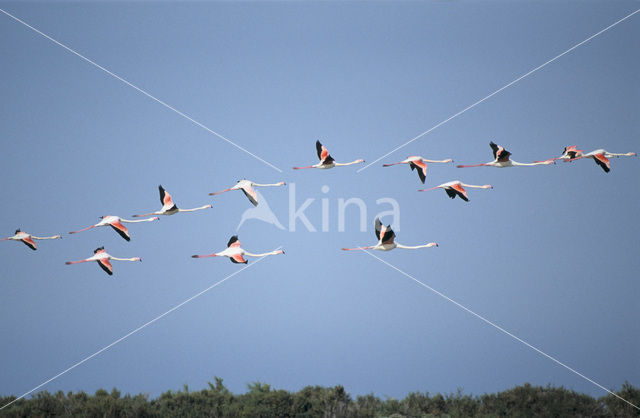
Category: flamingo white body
<point>236,253</point>
<point>116,223</point>
<point>569,153</point>
<point>456,188</point>
<point>601,157</point>
<point>28,239</point>
<point>501,159</point>
<point>168,207</point>
<point>386,240</point>
<point>247,187</point>
<point>101,256</point>
<point>326,161</point>
<point>420,164</point>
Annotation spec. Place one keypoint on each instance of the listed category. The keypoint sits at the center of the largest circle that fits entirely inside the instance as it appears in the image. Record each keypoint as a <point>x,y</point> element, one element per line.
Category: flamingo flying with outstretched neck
<point>455,188</point>
<point>386,241</point>
<point>168,207</point>
<point>501,159</point>
<point>116,223</point>
<point>326,161</point>
<point>28,239</point>
<point>236,253</point>
<point>247,188</point>
<point>419,163</point>
<point>102,257</point>
<point>601,157</point>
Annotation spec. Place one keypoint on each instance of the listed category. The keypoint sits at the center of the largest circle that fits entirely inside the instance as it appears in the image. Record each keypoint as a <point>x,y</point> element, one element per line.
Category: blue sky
<point>550,253</point>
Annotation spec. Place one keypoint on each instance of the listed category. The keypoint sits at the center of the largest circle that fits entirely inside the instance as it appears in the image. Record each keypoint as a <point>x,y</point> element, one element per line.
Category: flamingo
<point>454,188</point>
<point>102,257</point>
<point>116,223</point>
<point>601,157</point>
<point>419,163</point>
<point>247,188</point>
<point>236,253</point>
<point>168,207</point>
<point>569,153</point>
<point>386,242</point>
<point>501,159</point>
<point>28,239</point>
<point>326,161</point>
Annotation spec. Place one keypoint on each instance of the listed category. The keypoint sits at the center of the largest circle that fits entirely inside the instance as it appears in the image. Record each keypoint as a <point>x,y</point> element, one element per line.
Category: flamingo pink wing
<point>238,259</point>
<point>121,229</point>
<point>603,162</point>
<point>106,266</point>
<point>29,243</point>
<point>458,188</point>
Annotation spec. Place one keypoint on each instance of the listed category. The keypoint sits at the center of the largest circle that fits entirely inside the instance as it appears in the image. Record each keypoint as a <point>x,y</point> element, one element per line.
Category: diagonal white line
<point>132,332</point>
<point>499,328</point>
<point>499,90</point>
<point>149,95</point>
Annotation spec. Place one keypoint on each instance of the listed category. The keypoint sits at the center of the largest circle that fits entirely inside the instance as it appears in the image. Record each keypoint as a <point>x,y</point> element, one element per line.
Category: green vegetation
<point>315,401</point>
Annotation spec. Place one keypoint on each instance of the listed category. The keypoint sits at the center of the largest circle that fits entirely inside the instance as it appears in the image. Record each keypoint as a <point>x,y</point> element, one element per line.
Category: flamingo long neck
<point>269,185</point>
<point>612,154</point>
<point>407,247</point>
<point>139,220</point>
<point>194,209</point>
<point>515,163</point>
<point>125,259</point>
<point>53,237</point>
<point>263,254</point>
<point>448,160</point>
<point>351,163</point>
<point>486,186</point>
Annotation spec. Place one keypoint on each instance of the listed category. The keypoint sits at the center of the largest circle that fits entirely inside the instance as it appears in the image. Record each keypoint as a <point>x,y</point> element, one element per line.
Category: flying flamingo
<point>326,161</point>
<point>454,188</point>
<point>116,223</point>
<point>569,153</point>
<point>601,157</point>
<point>27,239</point>
<point>419,163</point>
<point>501,159</point>
<point>235,253</point>
<point>168,207</point>
<point>102,257</point>
<point>386,242</point>
<point>247,188</point>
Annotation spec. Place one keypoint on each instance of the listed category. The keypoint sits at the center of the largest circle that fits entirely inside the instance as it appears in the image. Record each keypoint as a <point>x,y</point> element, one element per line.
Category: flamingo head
<point>487,186</point>
<point>448,160</point>
<point>18,231</point>
<point>279,251</point>
<point>155,218</point>
<point>137,259</point>
<point>432,244</point>
<point>281,183</point>
<point>359,161</point>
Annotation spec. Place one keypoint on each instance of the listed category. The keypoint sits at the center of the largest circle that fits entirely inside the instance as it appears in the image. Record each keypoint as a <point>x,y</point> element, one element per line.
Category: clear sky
<point>550,254</point>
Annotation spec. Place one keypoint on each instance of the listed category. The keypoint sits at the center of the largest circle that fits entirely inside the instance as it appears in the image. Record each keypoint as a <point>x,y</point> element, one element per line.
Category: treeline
<point>315,401</point>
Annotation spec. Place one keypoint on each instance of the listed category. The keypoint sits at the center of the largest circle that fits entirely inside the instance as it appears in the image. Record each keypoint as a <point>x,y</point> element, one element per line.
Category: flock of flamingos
<point>384,234</point>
